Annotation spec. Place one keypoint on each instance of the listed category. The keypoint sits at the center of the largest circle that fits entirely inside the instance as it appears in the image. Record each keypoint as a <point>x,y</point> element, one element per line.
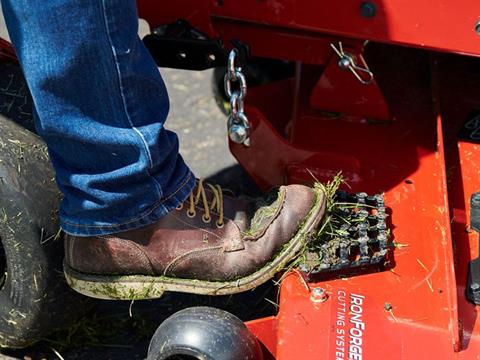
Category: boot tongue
<point>252,216</point>
<point>234,208</point>
<point>237,210</point>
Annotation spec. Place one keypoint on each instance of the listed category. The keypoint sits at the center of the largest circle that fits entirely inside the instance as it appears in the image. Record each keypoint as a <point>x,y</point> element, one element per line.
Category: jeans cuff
<point>152,215</point>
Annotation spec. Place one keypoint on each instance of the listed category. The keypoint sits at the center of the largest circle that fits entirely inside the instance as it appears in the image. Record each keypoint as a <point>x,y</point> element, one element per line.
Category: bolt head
<point>477,27</point>
<point>237,133</point>
<point>368,9</point>
<point>475,286</point>
<point>318,291</point>
<point>344,63</point>
<point>319,295</point>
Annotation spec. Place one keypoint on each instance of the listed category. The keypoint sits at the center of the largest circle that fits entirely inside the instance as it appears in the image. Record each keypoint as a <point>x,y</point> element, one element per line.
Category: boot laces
<point>200,196</point>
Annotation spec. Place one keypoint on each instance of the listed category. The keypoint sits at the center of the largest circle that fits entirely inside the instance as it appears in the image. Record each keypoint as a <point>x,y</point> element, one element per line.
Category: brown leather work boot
<point>211,244</point>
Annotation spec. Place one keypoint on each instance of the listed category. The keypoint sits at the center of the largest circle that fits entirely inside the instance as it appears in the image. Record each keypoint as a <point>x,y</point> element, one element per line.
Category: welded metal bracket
<point>181,46</point>
<point>347,85</point>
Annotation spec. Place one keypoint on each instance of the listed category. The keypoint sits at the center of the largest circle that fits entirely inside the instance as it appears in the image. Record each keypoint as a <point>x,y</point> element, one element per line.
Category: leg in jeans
<point>101,105</point>
<point>135,227</point>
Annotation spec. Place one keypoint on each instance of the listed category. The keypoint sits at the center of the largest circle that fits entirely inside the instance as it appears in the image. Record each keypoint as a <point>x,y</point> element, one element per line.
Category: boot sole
<point>141,287</point>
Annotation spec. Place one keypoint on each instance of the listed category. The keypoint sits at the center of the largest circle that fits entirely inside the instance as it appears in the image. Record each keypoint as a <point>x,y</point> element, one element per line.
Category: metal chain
<point>236,89</point>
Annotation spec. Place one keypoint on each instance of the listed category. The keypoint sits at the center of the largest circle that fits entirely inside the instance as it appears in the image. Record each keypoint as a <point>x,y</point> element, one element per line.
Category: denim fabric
<point>101,105</point>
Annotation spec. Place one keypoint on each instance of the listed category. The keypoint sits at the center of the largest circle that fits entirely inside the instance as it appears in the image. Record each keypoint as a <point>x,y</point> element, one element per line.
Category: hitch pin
<point>347,62</point>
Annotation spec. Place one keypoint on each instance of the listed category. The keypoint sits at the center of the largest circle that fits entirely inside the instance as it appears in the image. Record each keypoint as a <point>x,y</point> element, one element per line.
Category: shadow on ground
<point>122,330</point>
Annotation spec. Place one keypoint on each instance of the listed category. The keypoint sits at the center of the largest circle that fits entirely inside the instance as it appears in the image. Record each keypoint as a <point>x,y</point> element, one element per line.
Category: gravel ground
<point>198,121</point>
<point>119,330</point>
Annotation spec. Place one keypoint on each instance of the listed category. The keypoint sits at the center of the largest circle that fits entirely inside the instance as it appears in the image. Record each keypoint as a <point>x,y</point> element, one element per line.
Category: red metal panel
<point>443,25</point>
<point>421,289</point>
<point>266,331</point>
<point>403,159</point>
<point>338,90</point>
<point>457,97</point>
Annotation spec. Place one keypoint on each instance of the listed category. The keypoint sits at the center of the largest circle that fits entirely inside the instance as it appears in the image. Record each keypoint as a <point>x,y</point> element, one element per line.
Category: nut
<point>319,295</point>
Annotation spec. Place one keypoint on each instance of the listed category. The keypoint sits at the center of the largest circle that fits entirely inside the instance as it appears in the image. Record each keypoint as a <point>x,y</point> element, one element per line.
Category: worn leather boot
<point>211,244</point>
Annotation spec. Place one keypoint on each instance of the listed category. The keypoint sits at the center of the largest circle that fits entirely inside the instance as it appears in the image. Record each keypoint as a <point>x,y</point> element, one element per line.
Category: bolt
<point>477,27</point>
<point>319,295</point>
<point>362,195</point>
<point>388,307</point>
<point>237,133</point>
<point>368,9</point>
<point>362,226</point>
<point>475,286</point>
<point>381,226</point>
<point>381,216</point>
<point>344,63</point>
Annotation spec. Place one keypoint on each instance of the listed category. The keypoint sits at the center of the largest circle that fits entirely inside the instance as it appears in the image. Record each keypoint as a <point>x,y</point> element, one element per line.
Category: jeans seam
<point>124,103</point>
<point>149,212</point>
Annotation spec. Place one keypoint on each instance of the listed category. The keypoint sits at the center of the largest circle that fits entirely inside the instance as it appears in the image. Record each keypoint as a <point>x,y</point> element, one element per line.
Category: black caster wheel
<point>204,333</point>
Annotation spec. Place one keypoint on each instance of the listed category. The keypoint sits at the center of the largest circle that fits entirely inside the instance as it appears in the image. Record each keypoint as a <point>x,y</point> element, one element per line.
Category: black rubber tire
<point>34,297</point>
<point>15,101</point>
<point>204,333</point>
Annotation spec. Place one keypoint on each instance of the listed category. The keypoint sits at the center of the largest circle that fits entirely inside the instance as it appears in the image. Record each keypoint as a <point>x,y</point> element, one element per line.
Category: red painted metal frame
<point>426,173</point>
<point>442,25</point>
<point>408,160</point>
<point>428,97</point>
<point>7,53</point>
<point>404,159</point>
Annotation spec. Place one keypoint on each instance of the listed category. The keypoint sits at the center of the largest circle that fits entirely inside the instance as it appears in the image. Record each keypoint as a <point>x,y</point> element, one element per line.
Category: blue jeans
<point>101,105</point>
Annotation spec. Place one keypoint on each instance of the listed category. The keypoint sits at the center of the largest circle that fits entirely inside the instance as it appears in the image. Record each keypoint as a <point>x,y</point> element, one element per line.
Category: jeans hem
<point>153,214</point>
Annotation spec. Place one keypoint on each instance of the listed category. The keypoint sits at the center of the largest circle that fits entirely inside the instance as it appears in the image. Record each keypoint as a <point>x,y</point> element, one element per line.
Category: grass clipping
<point>330,229</point>
<point>331,225</point>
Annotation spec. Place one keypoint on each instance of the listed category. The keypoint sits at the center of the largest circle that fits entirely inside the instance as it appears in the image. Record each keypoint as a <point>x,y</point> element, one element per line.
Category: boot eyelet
<point>179,207</point>
<point>191,214</point>
<point>220,224</point>
<point>206,219</point>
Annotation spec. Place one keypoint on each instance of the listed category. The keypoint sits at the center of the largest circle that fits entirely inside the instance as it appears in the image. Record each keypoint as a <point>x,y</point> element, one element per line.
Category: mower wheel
<point>34,297</point>
<point>204,333</point>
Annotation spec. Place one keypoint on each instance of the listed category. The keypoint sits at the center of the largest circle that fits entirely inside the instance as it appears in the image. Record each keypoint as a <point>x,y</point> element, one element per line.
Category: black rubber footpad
<point>473,281</point>
<point>357,237</point>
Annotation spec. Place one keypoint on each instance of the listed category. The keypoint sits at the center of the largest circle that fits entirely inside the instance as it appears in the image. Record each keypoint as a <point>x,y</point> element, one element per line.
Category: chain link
<point>236,89</point>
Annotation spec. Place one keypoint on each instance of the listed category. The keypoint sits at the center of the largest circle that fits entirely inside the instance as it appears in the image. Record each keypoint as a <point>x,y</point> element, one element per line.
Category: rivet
<point>368,9</point>
<point>477,27</point>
